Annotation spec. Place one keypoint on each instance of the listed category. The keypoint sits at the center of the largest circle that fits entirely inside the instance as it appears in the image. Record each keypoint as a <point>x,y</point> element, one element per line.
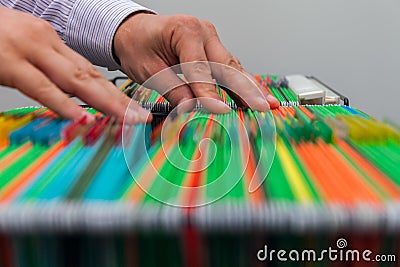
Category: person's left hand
<point>35,61</point>
<point>146,44</point>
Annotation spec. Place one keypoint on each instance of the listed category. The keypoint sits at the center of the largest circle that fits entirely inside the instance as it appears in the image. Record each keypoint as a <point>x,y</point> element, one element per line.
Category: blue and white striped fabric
<point>87,26</point>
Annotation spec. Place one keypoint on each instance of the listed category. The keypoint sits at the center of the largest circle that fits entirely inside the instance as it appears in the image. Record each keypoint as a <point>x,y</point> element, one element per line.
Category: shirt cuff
<point>92,25</point>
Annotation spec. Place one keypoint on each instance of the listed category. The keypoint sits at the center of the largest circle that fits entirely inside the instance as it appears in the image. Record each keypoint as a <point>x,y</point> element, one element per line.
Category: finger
<point>272,101</point>
<point>33,83</point>
<point>229,74</point>
<point>159,76</point>
<point>108,99</point>
<point>188,44</point>
<point>136,114</point>
<point>198,74</point>
<point>244,89</point>
<point>77,76</point>
<point>241,88</point>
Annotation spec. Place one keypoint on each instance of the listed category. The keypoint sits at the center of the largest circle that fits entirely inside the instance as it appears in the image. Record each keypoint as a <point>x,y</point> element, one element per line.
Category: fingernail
<point>262,104</point>
<point>271,98</point>
<point>273,102</point>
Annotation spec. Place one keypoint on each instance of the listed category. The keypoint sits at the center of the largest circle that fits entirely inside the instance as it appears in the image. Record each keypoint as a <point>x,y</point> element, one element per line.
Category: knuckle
<point>42,26</point>
<point>187,22</point>
<point>79,77</point>
<point>234,62</point>
<point>85,73</point>
<point>228,72</point>
<point>209,26</point>
<point>45,86</point>
<point>40,32</point>
<point>43,92</point>
<point>93,72</point>
<point>201,67</point>
<point>80,74</point>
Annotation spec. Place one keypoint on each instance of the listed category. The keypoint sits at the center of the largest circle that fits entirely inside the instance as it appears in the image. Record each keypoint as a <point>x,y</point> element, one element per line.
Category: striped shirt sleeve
<point>87,26</point>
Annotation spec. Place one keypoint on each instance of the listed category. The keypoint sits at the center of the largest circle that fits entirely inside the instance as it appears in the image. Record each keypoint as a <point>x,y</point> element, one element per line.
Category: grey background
<point>352,45</point>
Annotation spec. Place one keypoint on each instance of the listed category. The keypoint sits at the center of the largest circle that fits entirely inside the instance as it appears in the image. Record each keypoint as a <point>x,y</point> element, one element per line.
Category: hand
<point>36,61</point>
<point>146,44</point>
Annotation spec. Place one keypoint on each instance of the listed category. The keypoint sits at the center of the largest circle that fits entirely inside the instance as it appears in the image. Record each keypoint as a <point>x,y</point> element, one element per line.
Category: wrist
<point>126,30</point>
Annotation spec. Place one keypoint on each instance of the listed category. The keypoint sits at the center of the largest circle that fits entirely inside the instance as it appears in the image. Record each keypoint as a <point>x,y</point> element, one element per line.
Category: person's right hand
<point>34,60</point>
<point>149,47</point>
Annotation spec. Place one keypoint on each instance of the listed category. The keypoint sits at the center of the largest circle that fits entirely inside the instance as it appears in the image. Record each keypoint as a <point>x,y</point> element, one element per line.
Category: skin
<point>146,44</point>
<point>41,66</point>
